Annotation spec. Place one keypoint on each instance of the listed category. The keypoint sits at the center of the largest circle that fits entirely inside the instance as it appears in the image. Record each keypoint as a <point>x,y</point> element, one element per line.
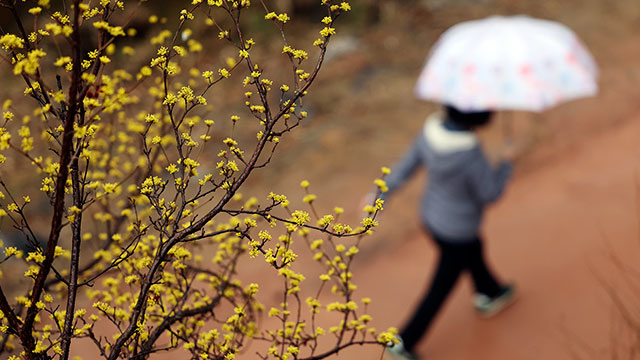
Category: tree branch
<point>26,335</point>
<point>75,259</point>
<point>14,322</point>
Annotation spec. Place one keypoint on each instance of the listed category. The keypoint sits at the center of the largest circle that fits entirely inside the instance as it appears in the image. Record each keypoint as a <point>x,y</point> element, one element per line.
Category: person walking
<point>461,183</point>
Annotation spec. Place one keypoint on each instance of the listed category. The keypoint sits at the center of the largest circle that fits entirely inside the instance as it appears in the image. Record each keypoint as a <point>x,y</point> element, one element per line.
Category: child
<point>461,183</point>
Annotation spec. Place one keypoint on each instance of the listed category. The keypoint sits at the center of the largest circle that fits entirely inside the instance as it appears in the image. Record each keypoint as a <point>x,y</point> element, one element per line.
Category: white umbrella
<point>507,63</point>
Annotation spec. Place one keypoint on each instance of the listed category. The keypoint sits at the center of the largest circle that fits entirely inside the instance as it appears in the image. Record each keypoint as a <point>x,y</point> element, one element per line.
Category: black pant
<point>455,256</point>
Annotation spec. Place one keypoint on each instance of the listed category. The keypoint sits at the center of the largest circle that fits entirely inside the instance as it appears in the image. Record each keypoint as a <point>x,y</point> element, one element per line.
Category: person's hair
<point>468,120</point>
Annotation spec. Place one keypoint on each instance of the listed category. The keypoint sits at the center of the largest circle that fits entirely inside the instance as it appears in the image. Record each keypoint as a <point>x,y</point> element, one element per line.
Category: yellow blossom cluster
<point>157,217</point>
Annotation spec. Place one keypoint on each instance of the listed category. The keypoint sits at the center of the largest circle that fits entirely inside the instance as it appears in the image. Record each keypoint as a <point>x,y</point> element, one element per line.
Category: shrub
<point>119,135</point>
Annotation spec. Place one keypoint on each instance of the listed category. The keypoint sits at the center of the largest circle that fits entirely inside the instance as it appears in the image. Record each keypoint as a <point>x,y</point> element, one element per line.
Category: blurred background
<point>566,232</point>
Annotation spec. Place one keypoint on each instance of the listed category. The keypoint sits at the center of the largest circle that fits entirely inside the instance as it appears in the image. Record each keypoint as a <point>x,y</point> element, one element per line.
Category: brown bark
<point>26,336</point>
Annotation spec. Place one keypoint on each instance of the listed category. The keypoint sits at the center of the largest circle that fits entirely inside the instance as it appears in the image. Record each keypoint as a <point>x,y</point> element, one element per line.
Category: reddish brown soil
<point>552,235</point>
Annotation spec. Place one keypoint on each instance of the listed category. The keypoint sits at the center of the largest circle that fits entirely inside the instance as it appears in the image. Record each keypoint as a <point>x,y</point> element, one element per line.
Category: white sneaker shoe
<point>488,307</point>
<point>398,351</point>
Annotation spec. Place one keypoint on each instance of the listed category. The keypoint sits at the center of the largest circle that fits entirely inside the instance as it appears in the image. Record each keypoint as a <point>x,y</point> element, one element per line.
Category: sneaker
<point>488,307</point>
<point>398,351</point>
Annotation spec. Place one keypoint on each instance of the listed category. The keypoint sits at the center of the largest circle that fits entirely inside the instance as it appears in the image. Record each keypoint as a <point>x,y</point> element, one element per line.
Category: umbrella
<point>507,63</point>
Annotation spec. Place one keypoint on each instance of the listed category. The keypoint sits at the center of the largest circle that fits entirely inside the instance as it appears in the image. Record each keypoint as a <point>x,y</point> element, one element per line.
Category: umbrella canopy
<point>507,63</point>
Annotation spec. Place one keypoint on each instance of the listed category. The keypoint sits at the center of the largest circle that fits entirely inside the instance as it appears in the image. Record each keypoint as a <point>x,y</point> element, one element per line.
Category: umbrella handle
<point>507,127</point>
<point>508,143</point>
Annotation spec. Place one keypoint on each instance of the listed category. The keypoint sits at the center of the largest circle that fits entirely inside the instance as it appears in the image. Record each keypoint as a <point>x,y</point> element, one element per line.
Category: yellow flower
<point>62,61</point>
<point>172,168</point>
<point>300,217</point>
<point>9,251</point>
<point>10,41</point>
<point>327,31</point>
<point>180,50</point>
<point>109,187</point>
<point>381,184</point>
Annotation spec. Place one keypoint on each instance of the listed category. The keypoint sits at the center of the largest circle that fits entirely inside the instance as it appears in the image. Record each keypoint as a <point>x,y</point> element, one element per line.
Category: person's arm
<point>404,168</point>
<point>488,183</point>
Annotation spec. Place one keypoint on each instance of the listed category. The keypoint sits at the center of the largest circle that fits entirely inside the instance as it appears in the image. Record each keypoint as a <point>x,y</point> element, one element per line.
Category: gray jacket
<point>461,180</point>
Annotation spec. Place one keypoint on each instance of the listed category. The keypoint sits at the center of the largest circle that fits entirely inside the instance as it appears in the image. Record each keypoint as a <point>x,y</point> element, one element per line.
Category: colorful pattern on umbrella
<point>507,63</point>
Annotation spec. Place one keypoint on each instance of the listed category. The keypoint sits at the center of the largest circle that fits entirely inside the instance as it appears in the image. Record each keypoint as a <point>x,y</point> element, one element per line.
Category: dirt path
<point>551,234</point>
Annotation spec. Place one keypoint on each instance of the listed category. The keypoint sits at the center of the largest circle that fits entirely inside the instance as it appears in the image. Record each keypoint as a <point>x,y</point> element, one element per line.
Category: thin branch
<point>26,335</point>
<point>14,322</point>
<point>76,238</point>
<point>338,348</point>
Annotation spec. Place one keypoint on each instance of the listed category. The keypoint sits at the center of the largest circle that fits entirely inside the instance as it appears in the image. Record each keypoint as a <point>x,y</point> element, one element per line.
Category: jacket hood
<point>446,149</point>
